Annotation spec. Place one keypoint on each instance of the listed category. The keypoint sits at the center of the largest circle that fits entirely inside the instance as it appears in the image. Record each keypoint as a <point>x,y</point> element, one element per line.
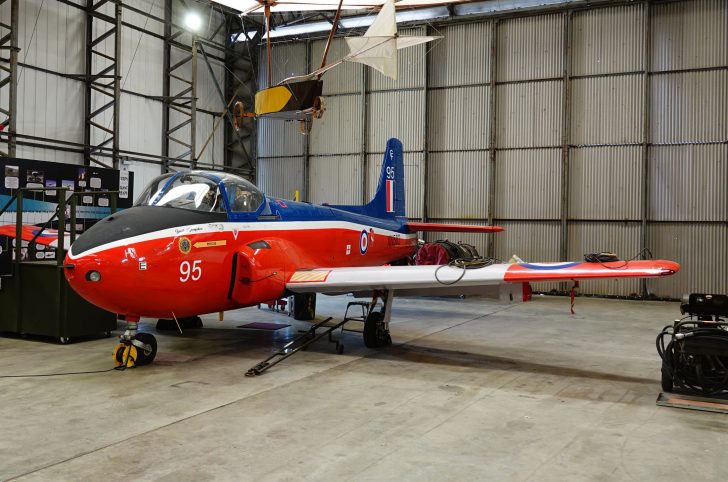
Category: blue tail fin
<point>388,201</point>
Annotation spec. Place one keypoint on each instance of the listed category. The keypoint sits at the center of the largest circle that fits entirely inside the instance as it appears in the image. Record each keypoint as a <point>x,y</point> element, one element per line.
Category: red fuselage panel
<point>189,270</point>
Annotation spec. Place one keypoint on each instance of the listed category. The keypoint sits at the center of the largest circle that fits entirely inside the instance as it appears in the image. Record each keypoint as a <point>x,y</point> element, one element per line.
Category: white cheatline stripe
<point>250,227</point>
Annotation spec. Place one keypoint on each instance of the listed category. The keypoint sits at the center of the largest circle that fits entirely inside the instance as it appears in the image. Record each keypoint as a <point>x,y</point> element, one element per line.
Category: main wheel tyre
<point>304,307</point>
<point>145,357</point>
<point>375,334</point>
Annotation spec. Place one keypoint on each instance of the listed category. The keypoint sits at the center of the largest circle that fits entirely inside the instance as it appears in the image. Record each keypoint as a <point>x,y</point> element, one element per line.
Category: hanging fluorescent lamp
<point>402,16</point>
<point>359,22</point>
<point>502,6</point>
<point>313,27</point>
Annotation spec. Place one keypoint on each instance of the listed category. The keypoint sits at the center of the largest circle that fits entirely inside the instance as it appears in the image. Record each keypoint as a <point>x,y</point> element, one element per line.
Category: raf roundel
<point>363,242</point>
<point>185,245</point>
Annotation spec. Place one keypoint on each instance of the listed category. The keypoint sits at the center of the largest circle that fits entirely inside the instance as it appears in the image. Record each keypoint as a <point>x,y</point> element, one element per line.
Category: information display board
<point>38,207</point>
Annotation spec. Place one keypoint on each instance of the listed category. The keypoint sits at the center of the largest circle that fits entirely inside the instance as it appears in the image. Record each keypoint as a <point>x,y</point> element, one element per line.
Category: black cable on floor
<point>119,368</point>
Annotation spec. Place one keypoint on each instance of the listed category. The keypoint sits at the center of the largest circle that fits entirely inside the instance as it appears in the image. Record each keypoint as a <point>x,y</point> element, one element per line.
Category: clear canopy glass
<point>201,193</point>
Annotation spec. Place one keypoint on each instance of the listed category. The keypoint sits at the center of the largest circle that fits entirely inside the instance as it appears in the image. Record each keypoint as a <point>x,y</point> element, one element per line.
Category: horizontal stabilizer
<point>451,228</point>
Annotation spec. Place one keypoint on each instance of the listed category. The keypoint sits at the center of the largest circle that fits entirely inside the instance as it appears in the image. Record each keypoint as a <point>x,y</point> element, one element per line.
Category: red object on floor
<point>527,292</point>
<point>282,303</point>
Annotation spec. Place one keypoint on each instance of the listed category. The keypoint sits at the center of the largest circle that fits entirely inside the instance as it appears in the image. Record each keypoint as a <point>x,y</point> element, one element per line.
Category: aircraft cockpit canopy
<point>202,192</point>
<point>186,191</point>
<point>243,196</point>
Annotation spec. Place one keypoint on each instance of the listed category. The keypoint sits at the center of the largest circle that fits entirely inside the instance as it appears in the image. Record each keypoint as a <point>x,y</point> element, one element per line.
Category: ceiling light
<point>285,31</point>
<point>193,21</point>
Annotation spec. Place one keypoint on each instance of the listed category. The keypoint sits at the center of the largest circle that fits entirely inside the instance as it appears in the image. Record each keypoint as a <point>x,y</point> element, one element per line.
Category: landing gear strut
<point>134,348</point>
<point>376,326</point>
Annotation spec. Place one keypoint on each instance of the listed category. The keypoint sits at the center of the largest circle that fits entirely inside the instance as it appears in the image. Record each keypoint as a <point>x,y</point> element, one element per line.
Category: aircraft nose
<point>81,271</point>
<point>97,282</point>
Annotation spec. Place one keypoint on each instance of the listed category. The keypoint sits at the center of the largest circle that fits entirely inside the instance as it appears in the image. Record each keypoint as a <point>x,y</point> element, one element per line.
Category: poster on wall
<point>40,205</point>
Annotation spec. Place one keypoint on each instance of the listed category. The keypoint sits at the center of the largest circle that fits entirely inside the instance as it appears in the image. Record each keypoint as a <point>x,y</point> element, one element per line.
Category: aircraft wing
<point>346,280</point>
<point>48,237</point>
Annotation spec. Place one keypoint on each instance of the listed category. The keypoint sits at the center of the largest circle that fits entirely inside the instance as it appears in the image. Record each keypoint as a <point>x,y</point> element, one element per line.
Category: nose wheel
<point>135,349</point>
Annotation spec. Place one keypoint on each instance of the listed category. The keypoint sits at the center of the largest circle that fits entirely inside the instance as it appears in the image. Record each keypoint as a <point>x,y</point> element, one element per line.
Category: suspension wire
<point>30,40</point>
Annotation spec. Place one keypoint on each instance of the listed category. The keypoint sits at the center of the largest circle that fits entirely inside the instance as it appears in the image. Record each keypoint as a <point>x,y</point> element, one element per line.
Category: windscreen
<point>188,191</point>
<point>152,189</point>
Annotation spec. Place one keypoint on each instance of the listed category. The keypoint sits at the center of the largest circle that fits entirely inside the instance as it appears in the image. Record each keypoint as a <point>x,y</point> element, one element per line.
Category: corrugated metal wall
<point>591,129</point>
<point>52,37</point>
<point>49,105</point>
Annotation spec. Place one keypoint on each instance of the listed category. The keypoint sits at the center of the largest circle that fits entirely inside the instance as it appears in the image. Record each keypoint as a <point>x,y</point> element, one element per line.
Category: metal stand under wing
<point>310,336</point>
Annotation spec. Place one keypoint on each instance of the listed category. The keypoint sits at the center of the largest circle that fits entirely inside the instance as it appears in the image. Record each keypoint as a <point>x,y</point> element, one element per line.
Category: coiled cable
<point>464,264</point>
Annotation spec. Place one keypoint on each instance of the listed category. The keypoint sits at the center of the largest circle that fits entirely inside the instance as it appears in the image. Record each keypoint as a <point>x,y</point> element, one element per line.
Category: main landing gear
<point>375,316</point>
<point>376,325</point>
<point>134,348</point>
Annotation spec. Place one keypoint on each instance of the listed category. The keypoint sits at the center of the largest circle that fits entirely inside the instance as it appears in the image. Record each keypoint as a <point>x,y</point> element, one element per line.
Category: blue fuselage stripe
<point>548,268</point>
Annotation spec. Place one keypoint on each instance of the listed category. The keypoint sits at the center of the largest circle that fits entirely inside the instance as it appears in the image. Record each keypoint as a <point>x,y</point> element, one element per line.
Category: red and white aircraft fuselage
<point>201,242</point>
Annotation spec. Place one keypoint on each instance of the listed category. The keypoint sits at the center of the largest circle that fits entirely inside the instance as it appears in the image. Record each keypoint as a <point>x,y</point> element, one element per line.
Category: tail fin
<point>388,201</point>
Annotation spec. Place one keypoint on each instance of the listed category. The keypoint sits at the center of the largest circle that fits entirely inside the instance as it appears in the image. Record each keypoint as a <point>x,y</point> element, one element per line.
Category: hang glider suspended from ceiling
<point>299,97</point>
<point>257,6</point>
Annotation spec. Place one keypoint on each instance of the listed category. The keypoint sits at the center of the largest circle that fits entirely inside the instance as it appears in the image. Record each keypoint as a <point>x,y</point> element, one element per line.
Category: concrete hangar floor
<point>472,389</point>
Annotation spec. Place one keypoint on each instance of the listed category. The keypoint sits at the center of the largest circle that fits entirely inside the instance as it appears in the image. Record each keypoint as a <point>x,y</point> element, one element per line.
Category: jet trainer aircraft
<point>201,242</point>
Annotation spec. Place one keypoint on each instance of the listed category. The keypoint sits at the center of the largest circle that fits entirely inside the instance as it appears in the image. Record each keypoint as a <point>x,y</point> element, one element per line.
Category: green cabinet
<point>37,300</point>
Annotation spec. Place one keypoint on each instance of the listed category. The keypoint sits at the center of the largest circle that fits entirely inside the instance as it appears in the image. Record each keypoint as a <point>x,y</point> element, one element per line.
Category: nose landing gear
<point>135,349</point>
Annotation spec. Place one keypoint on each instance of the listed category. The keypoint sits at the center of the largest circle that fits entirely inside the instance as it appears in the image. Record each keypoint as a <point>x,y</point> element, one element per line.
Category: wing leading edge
<point>345,280</point>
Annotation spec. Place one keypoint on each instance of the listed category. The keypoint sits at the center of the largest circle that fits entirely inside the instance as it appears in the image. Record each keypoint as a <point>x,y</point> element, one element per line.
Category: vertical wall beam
<point>117,84</point>
<point>103,83</point>
<point>492,114</point>
<point>425,128</point>
<point>644,212</point>
<point>565,137</point>
<point>193,104</point>
<point>180,93</point>
<point>364,134</point>
<point>9,45</point>
<point>306,194</point>
<point>89,59</point>
<point>229,90</point>
<point>166,83</point>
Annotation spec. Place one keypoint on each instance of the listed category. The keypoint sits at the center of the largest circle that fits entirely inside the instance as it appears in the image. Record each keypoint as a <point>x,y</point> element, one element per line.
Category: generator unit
<point>694,349</point>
